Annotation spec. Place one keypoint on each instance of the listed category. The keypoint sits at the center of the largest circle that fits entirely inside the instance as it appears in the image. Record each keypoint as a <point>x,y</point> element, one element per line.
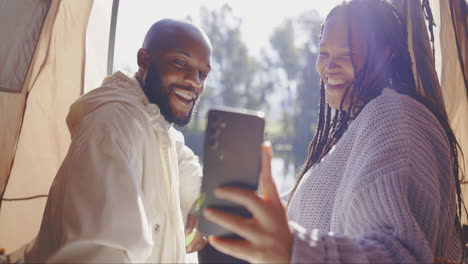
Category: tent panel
<point>25,226</point>
<point>13,121</point>
<point>436,12</point>
<point>11,114</point>
<point>460,21</point>
<point>419,48</point>
<point>22,24</point>
<point>55,81</point>
<point>97,44</point>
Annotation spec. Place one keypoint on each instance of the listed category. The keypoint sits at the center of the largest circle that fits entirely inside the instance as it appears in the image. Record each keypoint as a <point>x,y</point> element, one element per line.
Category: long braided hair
<point>383,27</point>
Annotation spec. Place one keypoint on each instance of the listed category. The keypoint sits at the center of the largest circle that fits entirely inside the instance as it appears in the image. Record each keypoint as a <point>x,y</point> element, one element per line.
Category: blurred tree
<point>283,42</point>
<point>308,89</point>
<point>295,43</point>
<point>235,76</point>
<point>236,80</point>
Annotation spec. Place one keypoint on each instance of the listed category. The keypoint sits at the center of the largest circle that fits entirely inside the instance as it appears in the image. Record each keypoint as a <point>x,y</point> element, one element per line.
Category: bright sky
<point>259,17</point>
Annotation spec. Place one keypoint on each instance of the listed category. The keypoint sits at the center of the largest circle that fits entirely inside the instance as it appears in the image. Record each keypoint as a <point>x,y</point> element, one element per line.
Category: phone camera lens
<point>214,117</point>
<point>212,130</point>
<point>213,143</point>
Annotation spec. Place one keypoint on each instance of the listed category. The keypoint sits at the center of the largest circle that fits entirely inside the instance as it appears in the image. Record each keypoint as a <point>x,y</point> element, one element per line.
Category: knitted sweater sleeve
<point>391,209</point>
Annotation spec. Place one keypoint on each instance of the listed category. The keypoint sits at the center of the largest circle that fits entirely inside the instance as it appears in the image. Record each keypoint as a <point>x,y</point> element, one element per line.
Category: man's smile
<point>185,97</point>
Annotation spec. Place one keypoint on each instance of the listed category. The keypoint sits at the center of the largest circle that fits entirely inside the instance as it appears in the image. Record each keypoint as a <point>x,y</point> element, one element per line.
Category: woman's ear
<point>388,53</point>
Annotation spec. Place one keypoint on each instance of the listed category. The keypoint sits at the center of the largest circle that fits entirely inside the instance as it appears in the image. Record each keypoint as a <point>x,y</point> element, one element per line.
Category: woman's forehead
<point>339,31</point>
<point>335,32</point>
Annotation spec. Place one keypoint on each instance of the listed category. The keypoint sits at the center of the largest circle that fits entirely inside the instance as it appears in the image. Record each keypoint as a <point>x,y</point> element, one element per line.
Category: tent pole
<point>113,25</point>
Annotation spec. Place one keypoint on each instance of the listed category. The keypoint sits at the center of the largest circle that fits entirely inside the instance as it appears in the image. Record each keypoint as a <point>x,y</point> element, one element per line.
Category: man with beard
<point>128,181</point>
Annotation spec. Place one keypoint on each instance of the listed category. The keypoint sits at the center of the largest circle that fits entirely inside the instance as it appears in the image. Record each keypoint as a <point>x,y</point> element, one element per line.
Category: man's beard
<point>156,94</point>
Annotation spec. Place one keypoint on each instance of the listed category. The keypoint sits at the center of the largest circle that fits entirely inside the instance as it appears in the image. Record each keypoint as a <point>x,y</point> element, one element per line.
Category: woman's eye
<point>347,56</point>
<point>203,75</point>
<point>323,53</point>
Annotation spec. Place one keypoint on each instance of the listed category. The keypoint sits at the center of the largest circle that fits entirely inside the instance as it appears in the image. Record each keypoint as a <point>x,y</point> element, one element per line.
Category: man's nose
<point>193,78</point>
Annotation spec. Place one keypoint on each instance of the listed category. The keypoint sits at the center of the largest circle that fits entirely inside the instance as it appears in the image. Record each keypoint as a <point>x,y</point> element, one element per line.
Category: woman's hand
<point>267,235</point>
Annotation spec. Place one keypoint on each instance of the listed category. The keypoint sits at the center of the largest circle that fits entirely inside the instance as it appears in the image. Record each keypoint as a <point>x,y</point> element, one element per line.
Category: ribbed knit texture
<point>384,193</point>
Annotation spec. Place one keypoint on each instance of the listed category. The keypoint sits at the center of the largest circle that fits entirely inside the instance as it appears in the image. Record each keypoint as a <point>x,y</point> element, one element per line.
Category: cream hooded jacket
<point>125,187</point>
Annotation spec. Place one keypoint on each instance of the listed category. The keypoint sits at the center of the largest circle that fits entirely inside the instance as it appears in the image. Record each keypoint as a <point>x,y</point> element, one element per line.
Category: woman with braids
<point>380,183</point>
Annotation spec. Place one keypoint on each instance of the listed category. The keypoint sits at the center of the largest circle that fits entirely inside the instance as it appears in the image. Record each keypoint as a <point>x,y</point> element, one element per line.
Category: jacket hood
<point>119,87</point>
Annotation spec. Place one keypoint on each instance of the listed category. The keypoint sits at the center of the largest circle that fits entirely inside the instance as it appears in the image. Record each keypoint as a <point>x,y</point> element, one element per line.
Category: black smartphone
<point>231,157</point>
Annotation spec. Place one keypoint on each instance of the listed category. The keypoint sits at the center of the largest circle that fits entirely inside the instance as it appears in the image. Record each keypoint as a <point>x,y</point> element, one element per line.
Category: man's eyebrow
<point>185,54</point>
<point>188,55</point>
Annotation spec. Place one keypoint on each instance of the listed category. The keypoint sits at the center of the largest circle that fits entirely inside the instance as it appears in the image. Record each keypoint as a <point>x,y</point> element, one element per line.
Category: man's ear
<point>142,59</point>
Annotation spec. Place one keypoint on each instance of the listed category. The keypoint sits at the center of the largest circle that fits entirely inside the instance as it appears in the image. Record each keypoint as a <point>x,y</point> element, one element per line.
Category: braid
<point>316,145</point>
<point>430,20</point>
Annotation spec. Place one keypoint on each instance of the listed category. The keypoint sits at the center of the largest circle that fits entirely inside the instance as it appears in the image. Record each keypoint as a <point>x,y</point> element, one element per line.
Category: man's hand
<point>194,240</point>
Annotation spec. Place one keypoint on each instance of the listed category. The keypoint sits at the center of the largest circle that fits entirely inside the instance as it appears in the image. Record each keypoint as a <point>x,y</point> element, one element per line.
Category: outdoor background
<point>264,56</point>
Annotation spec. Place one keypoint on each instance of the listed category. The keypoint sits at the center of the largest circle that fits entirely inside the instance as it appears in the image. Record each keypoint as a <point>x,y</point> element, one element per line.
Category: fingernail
<point>219,192</point>
<point>212,239</point>
<point>207,212</point>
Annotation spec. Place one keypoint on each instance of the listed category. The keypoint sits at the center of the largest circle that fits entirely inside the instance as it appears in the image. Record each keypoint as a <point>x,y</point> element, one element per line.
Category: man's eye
<point>323,53</point>
<point>180,63</point>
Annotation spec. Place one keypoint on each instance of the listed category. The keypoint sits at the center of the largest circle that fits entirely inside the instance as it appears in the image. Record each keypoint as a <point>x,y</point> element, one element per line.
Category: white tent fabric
<point>56,78</point>
<point>97,43</point>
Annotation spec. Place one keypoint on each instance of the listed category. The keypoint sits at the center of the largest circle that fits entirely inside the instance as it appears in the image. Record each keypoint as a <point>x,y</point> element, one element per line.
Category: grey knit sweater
<point>384,193</point>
